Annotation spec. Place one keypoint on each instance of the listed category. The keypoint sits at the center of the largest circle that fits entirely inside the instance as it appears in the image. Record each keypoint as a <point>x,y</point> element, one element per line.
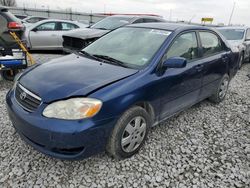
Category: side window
<point>211,44</point>
<point>51,26</point>
<point>248,35</point>
<point>141,20</point>
<point>185,46</point>
<point>149,20</point>
<point>68,26</point>
<point>33,20</point>
<point>3,24</point>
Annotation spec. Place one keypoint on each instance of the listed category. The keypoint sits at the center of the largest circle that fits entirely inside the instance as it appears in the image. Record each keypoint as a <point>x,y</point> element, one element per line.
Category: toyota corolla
<point>107,96</point>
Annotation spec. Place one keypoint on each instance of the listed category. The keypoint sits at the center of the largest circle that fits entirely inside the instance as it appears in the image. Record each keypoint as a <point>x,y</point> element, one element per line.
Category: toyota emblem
<point>23,96</point>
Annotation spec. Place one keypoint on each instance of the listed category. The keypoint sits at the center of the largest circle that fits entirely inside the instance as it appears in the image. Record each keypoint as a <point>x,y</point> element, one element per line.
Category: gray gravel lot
<point>205,146</point>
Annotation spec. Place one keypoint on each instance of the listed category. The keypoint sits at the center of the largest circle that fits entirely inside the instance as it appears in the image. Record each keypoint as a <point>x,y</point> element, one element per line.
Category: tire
<point>241,61</point>
<point>9,74</point>
<point>221,90</point>
<point>134,140</point>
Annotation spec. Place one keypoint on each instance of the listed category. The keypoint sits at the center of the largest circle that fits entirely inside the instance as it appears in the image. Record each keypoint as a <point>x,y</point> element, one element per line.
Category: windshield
<point>111,23</point>
<point>232,34</point>
<point>134,47</point>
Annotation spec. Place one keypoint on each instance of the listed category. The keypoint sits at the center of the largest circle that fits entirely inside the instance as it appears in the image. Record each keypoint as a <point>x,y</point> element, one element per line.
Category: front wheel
<point>221,90</point>
<point>129,133</point>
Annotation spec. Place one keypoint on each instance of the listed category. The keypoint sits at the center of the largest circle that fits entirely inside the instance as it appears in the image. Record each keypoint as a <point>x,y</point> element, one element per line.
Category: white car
<point>47,34</point>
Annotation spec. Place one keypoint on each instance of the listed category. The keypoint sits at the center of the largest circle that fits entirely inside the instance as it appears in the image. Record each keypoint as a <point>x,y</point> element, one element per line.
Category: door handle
<point>199,68</point>
<point>53,35</point>
<point>224,59</point>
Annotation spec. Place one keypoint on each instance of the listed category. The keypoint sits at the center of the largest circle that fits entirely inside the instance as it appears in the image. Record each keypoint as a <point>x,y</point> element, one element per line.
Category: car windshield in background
<point>134,47</point>
<point>232,34</point>
<point>111,23</point>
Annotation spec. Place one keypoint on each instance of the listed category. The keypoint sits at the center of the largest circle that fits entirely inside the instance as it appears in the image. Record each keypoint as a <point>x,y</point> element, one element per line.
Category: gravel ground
<point>205,146</point>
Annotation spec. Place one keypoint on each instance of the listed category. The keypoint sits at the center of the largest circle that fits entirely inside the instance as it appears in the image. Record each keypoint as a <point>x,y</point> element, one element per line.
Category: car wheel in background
<point>9,74</point>
<point>221,90</point>
<point>241,61</point>
<point>129,134</point>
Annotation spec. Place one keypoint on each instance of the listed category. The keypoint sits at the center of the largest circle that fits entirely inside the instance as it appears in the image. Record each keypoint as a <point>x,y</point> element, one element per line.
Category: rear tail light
<point>15,25</point>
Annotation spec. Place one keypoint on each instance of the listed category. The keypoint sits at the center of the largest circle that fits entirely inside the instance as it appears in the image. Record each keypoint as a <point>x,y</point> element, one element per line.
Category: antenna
<point>231,16</point>
<point>170,15</point>
<point>192,18</point>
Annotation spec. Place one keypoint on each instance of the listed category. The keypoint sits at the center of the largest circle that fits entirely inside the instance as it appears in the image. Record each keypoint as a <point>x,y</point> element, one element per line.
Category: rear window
<point>10,17</point>
<point>3,24</point>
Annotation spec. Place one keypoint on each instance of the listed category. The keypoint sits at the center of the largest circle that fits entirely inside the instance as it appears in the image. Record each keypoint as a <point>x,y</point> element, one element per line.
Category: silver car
<point>238,37</point>
<point>47,34</point>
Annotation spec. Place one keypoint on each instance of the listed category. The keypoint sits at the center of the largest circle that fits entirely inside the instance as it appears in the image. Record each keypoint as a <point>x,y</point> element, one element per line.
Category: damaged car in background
<point>239,38</point>
<point>80,38</point>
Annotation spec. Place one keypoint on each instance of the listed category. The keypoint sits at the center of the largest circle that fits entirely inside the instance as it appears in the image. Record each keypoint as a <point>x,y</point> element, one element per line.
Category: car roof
<point>36,17</point>
<point>169,26</point>
<point>233,27</point>
<point>55,20</point>
<point>136,16</point>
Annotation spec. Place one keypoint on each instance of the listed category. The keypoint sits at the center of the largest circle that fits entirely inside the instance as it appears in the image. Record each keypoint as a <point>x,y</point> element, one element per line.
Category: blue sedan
<point>107,96</point>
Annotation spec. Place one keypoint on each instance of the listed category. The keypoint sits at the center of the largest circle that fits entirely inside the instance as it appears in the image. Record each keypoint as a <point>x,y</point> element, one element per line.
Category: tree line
<point>8,3</point>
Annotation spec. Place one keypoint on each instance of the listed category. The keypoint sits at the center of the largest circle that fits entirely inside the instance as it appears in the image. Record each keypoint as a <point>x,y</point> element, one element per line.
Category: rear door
<point>45,36</point>
<point>216,61</point>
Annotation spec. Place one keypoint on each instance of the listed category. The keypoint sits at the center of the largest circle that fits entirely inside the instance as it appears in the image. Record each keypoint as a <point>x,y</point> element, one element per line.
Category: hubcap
<point>134,134</point>
<point>223,88</point>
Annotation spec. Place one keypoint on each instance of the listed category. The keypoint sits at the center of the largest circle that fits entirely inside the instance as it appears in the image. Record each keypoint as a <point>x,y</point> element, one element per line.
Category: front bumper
<point>59,138</point>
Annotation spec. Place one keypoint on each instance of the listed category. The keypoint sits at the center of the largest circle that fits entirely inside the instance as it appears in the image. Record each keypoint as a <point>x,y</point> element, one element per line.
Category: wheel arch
<point>148,108</point>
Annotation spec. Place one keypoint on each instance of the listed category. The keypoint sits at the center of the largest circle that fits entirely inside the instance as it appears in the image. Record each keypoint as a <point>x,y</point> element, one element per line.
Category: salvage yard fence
<point>68,14</point>
<point>58,14</point>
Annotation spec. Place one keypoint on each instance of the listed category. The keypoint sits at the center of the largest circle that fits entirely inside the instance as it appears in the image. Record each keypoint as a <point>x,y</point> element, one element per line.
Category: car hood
<point>71,76</point>
<point>86,33</point>
<point>235,43</point>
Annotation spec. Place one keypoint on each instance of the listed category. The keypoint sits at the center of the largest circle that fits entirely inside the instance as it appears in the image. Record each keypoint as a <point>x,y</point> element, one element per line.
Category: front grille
<point>73,43</point>
<point>27,100</point>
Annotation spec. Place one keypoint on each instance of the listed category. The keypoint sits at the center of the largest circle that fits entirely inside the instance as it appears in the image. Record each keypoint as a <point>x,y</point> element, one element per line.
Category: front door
<point>180,87</point>
<point>45,36</point>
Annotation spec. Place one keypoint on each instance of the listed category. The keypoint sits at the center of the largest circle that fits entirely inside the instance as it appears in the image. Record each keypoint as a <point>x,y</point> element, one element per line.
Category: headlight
<point>73,109</point>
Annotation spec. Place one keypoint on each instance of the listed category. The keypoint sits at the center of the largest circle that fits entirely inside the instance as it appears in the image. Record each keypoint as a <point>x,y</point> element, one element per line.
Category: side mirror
<point>175,62</point>
<point>35,29</point>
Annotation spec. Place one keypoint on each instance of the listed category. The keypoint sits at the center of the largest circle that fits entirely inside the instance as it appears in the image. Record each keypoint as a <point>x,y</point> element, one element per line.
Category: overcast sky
<point>186,10</point>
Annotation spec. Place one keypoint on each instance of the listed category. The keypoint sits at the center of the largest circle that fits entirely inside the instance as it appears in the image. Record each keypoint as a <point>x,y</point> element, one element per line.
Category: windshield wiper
<point>88,55</point>
<point>101,28</point>
<point>111,59</point>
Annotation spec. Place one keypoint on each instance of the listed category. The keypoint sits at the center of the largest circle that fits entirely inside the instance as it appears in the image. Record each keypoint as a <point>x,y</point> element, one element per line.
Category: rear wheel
<point>129,133</point>
<point>221,90</point>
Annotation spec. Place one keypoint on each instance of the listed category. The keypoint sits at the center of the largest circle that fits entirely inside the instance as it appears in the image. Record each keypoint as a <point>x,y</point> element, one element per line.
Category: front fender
<point>122,95</point>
